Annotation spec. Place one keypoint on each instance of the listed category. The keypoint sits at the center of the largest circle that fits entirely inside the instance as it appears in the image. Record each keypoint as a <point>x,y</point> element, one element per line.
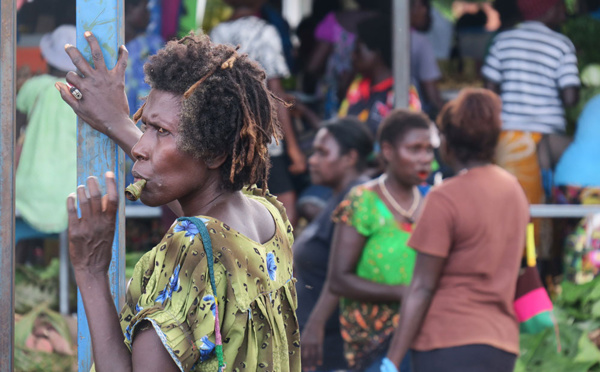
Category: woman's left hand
<point>91,235</point>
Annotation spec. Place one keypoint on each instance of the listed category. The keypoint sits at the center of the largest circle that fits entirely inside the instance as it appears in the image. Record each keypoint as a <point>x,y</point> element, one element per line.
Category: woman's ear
<point>386,151</point>
<point>216,162</point>
<point>351,158</point>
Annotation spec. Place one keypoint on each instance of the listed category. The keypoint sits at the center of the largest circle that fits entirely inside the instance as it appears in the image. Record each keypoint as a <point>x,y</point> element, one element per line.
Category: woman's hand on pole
<point>103,102</point>
<point>91,235</point>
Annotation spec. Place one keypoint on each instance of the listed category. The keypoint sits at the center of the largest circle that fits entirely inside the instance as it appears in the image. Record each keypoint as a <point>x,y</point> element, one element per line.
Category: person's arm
<point>432,94</point>
<point>313,333</point>
<point>570,96</point>
<point>318,58</point>
<point>104,104</point>
<point>90,249</point>
<point>297,158</point>
<point>494,87</point>
<point>428,270</point>
<point>347,247</point>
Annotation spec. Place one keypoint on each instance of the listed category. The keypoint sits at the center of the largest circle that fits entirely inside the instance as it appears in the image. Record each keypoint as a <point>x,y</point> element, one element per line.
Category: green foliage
<point>577,312</point>
<point>27,360</point>
<point>582,30</point>
<point>36,285</point>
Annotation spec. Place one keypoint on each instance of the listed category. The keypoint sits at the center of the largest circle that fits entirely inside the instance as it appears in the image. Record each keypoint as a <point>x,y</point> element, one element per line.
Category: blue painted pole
<point>7,183</point>
<point>97,154</point>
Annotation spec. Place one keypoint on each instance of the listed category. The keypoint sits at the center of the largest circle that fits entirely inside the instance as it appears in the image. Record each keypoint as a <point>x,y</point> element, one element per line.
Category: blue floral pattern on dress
<point>190,229</point>
<point>172,285</point>
<point>213,304</point>
<point>206,348</point>
<point>271,266</point>
<point>128,333</point>
<point>138,308</point>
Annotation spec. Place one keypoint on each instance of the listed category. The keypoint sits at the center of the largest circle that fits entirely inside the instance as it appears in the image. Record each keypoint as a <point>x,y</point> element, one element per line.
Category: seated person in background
<point>47,167</point>
<point>331,58</point>
<point>424,70</point>
<point>371,95</point>
<point>262,43</point>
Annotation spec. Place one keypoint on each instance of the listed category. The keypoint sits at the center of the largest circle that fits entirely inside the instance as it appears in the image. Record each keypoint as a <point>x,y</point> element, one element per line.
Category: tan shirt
<point>477,221</point>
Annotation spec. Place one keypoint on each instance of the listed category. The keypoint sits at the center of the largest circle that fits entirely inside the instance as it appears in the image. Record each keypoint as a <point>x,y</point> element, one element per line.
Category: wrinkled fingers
<point>97,56</point>
<point>78,60</point>
<point>95,195</point>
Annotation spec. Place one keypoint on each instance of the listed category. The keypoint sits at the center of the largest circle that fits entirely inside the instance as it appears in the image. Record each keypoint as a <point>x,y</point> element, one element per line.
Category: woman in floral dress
<point>207,123</point>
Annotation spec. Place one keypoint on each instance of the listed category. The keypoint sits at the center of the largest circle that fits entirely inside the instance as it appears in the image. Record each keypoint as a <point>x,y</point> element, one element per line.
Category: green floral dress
<point>367,327</point>
<point>255,304</point>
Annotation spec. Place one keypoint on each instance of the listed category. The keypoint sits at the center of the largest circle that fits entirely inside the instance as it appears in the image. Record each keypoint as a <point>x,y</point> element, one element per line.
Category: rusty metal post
<point>401,60</point>
<point>97,154</point>
<point>8,15</point>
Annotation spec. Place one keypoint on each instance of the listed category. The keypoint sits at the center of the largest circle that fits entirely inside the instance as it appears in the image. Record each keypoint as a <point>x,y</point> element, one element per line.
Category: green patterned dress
<point>255,304</point>
<point>368,326</point>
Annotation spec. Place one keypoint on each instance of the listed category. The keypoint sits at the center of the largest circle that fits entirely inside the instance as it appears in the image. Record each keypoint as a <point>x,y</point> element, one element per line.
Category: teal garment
<point>578,165</point>
<point>47,171</point>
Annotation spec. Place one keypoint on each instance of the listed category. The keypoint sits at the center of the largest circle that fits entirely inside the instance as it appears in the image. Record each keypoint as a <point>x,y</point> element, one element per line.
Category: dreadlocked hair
<point>227,109</point>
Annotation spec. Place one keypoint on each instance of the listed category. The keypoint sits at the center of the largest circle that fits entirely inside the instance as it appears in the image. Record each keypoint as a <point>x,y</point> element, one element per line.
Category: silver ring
<point>76,93</point>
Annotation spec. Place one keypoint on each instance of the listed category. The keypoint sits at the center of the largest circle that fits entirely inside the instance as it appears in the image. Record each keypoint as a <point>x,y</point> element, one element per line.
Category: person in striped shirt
<point>534,70</point>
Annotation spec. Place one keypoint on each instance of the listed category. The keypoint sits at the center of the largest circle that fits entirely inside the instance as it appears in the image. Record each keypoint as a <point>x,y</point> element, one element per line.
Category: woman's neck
<point>469,164</point>
<point>204,199</point>
<point>381,74</point>
<point>396,186</point>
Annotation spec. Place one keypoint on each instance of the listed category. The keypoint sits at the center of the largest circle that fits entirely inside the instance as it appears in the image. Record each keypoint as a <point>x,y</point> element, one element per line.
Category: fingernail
<point>57,86</point>
<point>87,34</point>
<point>67,46</point>
<point>72,195</point>
<point>110,174</point>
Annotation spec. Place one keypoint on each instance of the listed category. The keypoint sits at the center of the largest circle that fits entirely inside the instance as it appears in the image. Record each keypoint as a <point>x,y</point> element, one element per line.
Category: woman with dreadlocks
<point>217,292</point>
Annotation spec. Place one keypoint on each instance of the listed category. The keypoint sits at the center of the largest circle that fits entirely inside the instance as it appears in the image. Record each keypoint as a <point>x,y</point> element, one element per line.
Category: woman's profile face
<point>170,173</point>
<point>409,159</point>
<point>326,165</point>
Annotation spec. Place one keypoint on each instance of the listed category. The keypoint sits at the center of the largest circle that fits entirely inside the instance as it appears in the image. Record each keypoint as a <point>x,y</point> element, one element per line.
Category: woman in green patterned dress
<point>207,122</point>
<point>370,264</point>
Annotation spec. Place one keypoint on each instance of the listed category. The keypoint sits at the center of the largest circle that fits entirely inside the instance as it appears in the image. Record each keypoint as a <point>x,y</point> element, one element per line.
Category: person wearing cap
<point>47,165</point>
<point>534,69</point>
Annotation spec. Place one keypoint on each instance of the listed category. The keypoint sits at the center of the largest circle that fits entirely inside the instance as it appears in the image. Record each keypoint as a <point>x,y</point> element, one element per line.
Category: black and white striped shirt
<point>532,64</point>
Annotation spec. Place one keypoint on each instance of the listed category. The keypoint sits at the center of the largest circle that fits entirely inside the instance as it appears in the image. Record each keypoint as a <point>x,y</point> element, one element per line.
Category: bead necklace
<point>388,196</point>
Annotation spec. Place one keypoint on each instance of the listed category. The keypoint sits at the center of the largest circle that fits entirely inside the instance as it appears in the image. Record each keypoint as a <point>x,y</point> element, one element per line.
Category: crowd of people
<point>310,234</point>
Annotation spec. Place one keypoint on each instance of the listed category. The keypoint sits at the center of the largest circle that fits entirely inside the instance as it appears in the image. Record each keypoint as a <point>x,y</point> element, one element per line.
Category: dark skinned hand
<point>104,102</point>
<point>91,236</point>
<point>312,346</point>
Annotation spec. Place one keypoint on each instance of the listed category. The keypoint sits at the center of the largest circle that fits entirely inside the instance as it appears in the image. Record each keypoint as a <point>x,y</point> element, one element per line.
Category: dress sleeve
<point>435,228</point>
<point>171,290</point>
<point>325,30</point>
<point>358,210</point>
<point>567,74</point>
